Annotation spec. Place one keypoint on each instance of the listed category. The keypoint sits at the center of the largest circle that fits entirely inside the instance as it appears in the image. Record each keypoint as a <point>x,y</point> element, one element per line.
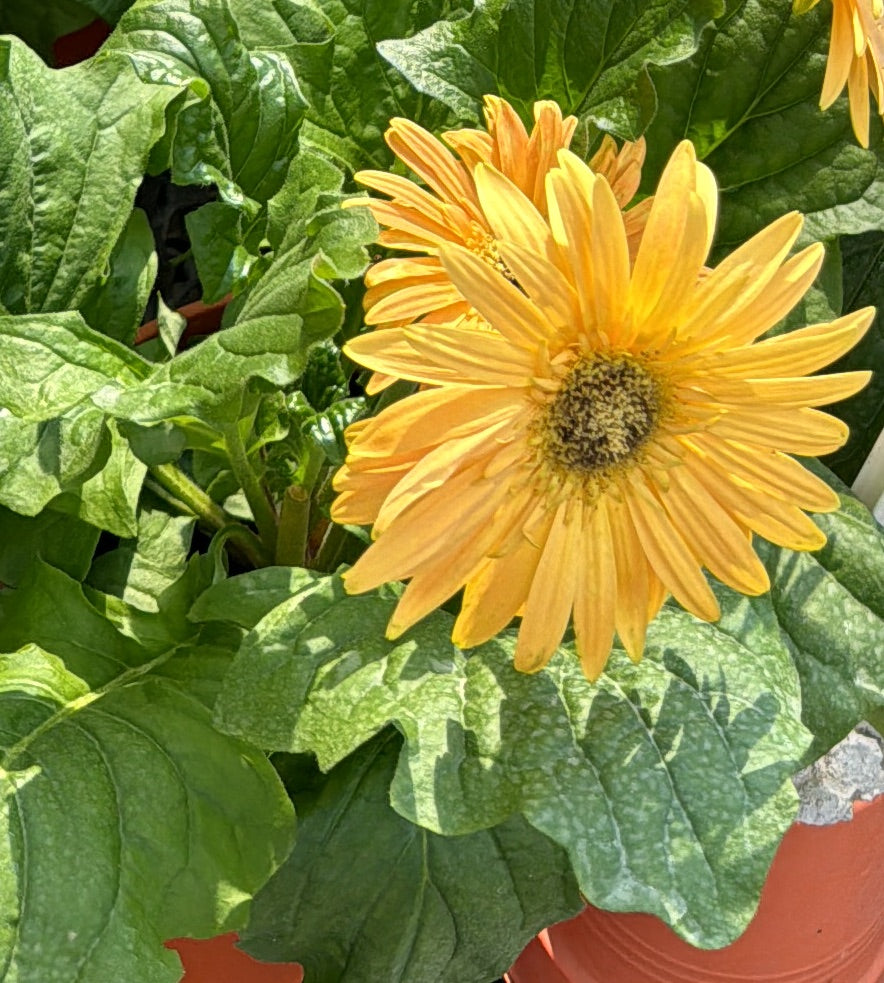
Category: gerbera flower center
<point>606,409</point>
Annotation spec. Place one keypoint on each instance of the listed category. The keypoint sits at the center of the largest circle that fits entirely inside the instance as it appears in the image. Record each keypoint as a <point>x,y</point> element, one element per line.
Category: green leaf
<point>670,787</point>
<point>39,461</point>
<point>52,439</point>
<point>51,536</point>
<point>117,302</point>
<point>749,101</point>
<point>590,58</point>
<point>218,241</point>
<point>246,599</point>
<point>140,569</point>
<point>50,609</point>
<point>74,145</point>
<point>864,413</point>
<point>128,819</point>
<point>352,92</point>
<point>415,907</point>
<point>830,606</point>
<point>311,236</point>
<point>270,328</point>
<point>236,128</point>
<point>109,499</point>
<point>50,363</point>
<point>239,127</point>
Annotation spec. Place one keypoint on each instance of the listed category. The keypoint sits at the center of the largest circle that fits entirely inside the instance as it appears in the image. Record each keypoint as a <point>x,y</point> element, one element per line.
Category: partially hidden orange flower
<point>617,430</point>
<point>447,210</point>
<point>856,58</point>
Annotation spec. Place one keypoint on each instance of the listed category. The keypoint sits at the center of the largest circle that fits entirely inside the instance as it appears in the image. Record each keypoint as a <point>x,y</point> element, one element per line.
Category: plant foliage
<point>181,669</point>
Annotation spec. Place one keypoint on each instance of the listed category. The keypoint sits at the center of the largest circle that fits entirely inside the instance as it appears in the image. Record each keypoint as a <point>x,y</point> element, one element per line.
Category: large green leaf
<point>129,817</point>
<point>239,126</point>
<point>236,127</point>
<point>669,784</point>
<point>53,440</point>
<point>409,906</point>
<point>749,100</point>
<point>830,606</point>
<point>51,536</point>
<point>352,91</point>
<point>118,300</point>
<point>141,568</point>
<point>53,362</point>
<point>74,145</point>
<point>669,787</point>
<point>592,58</point>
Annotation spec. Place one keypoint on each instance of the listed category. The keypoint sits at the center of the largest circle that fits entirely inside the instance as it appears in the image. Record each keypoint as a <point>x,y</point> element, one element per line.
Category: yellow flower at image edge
<point>617,432</point>
<point>856,58</point>
<point>448,210</point>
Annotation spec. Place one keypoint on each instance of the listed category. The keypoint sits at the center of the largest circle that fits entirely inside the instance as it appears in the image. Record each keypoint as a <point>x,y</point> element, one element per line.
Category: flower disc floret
<point>605,410</point>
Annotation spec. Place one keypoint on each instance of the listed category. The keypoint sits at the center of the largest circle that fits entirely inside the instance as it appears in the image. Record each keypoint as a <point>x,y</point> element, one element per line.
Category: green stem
<point>175,487</point>
<point>244,542</point>
<point>294,520</point>
<point>263,512</point>
<point>174,480</point>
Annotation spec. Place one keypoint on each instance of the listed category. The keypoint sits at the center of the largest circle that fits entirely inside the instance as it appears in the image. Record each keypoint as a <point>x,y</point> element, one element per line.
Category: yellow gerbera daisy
<point>618,430</point>
<point>448,210</point>
<point>856,57</point>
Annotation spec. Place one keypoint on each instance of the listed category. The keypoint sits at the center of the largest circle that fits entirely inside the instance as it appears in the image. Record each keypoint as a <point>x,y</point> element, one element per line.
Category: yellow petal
<point>407,302</point>
<point>769,472</point>
<point>674,240</point>
<point>494,593</point>
<point>802,351</point>
<point>633,582</point>
<point>549,602</point>
<point>610,260</point>
<point>503,305</point>
<point>783,291</point>
<point>512,216</point>
<point>430,160</point>
<point>668,553</point>
<point>595,594</point>
<point>437,354</point>
<point>429,529</point>
<point>857,90</point>
<point>545,285</point>
<point>718,542</point>
<point>840,54</point>
<point>569,194</point>
<point>795,431</point>
<point>780,523</point>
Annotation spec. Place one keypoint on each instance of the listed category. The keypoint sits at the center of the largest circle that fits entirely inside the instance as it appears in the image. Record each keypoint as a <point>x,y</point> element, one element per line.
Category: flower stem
<point>187,492</point>
<point>176,488</point>
<point>263,512</point>
<point>294,517</point>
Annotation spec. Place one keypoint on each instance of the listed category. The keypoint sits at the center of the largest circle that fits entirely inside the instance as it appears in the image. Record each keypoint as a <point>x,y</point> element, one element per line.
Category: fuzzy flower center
<point>604,412</point>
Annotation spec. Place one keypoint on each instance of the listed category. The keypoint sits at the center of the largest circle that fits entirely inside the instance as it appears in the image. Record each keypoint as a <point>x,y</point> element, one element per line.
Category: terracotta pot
<point>70,49</point>
<point>821,920</point>
<point>202,319</point>
<point>219,961</point>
